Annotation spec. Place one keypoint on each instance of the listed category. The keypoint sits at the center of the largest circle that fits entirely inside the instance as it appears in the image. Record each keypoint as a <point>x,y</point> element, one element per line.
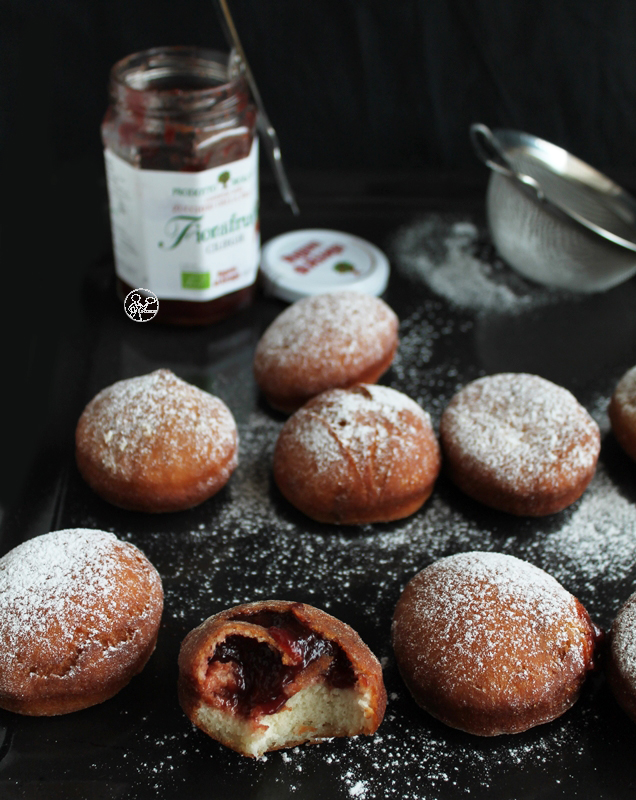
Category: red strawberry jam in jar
<point>181,157</point>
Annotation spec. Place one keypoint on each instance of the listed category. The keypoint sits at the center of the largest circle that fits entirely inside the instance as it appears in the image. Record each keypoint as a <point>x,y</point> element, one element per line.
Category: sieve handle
<point>265,127</point>
<point>488,149</point>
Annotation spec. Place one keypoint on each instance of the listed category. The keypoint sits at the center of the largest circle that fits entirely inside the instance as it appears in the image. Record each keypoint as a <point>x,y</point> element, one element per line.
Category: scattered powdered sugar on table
<point>445,253</point>
<point>596,545</point>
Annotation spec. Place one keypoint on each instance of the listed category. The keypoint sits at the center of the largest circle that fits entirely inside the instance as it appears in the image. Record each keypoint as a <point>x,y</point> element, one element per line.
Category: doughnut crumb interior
<point>274,674</point>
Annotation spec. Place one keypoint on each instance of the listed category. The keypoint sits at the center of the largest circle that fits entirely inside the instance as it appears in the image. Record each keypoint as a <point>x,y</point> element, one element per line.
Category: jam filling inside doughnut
<point>255,681</point>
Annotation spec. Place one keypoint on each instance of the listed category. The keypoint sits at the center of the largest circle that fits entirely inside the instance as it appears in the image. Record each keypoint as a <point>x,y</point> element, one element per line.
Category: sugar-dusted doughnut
<point>622,412</point>
<point>490,644</point>
<point>156,443</point>
<point>356,456</point>
<point>273,674</point>
<point>323,342</point>
<point>621,658</point>
<point>79,617</point>
<point>519,443</point>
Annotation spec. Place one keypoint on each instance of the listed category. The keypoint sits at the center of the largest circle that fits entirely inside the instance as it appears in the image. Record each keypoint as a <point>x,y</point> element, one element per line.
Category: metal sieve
<point>554,218</point>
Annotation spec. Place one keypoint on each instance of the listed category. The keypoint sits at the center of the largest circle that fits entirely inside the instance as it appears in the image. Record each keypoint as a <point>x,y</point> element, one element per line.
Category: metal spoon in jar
<point>270,138</point>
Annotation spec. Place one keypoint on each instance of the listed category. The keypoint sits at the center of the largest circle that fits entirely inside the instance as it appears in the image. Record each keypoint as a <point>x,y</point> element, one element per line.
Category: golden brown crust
<point>79,617</point>
<point>328,341</point>
<point>156,444</point>
<point>490,645</point>
<point>355,456</point>
<point>622,412</point>
<point>200,644</point>
<point>519,443</point>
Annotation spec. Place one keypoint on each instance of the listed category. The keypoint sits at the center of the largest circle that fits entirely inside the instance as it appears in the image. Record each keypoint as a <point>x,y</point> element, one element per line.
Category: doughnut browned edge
<point>288,384</point>
<point>168,471</point>
<point>620,664</point>
<point>470,704</point>
<point>392,483</point>
<point>57,674</point>
<point>195,698</point>
<point>622,412</point>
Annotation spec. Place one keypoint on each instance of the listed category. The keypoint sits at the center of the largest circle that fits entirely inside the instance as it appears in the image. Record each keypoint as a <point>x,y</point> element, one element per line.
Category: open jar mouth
<point>180,81</point>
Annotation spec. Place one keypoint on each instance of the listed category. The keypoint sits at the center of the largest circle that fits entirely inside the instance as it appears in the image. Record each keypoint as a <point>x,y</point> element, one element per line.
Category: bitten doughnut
<point>490,644</point>
<point>323,342</point>
<point>274,674</point>
<point>79,617</point>
<point>621,660</point>
<point>155,443</point>
<point>622,412</point>
<point>356,456</point>
<point>519,443</point>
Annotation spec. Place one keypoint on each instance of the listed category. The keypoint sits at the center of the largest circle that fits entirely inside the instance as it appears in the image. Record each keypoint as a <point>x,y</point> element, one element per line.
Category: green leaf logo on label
<point>195,280</point>
<point>224,177</point>
<point>344,266</point>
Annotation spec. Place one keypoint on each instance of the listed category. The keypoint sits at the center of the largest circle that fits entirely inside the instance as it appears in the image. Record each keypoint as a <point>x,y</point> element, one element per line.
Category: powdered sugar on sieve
<point>444,253</point>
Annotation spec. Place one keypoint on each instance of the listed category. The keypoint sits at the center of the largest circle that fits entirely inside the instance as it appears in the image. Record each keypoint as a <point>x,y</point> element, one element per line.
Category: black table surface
<point>463,314</point>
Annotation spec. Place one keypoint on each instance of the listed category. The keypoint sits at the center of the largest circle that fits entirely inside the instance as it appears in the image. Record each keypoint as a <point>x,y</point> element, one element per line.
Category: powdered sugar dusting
<point>483,618</point>
<point>156,416</point>
<point>624,640</point>
<point>521,429</point>
<point>625,394</point>
<point>361,423</point>
<point>61,591</point>
<point>324,340</point>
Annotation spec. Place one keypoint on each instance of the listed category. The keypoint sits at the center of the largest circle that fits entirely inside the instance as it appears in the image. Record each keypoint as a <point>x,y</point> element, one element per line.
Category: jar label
<point>185,235</point>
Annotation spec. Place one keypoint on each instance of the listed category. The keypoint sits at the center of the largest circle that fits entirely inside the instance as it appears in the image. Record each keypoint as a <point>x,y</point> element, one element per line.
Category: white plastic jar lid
<point>308,262</point>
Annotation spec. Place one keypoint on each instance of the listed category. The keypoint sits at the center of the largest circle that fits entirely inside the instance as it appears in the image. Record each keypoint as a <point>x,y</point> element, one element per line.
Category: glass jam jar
<point>181,157</point>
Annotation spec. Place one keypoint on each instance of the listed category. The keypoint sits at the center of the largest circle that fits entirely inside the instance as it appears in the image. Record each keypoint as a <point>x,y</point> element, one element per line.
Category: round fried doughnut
<point>519,443</point>
<point>79,617</point>
<point>155,443</point>
<point>273,674</point>
<point>622,412</point>
<point>323,342</point>
<point>490,644</point>
<point>356,456</point>
<point>621,661</point>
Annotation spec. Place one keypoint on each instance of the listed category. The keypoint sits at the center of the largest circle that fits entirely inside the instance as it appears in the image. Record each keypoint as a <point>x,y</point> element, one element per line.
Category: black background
<point>369,86</point>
